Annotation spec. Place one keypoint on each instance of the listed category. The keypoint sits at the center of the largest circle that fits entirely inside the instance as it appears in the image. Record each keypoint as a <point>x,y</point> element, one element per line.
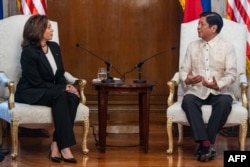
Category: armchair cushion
<point>35,116</point>
<point>237,114</point>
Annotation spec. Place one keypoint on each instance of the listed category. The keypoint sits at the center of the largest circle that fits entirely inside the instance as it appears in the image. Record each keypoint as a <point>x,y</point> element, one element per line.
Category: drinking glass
<point>102,73</point>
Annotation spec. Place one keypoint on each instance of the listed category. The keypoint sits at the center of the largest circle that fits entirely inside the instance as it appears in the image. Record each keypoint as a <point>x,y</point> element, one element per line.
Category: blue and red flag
<point>193,8</point>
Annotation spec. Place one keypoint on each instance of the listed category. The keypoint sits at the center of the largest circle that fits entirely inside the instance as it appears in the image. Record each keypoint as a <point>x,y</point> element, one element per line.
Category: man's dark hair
<point>213,18</point>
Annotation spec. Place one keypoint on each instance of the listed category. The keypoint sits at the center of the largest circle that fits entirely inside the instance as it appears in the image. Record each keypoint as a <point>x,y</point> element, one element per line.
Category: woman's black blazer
<point>37,75</point>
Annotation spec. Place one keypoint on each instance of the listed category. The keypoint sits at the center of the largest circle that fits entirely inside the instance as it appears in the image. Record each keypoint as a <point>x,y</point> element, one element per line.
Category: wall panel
<point>123,32</point>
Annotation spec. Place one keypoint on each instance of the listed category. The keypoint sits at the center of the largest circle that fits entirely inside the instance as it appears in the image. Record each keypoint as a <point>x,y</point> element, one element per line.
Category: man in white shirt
<point>208,70</point>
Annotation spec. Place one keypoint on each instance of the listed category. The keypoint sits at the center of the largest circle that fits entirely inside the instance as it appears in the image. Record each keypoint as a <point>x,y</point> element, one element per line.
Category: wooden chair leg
<point>169,126</point>
<point>180,133</point>
<point>243,135</point>
<point>85,134</point>
<point>14,137</point>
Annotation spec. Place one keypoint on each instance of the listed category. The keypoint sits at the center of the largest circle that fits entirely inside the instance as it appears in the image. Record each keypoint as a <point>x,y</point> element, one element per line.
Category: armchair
<point>236,34</point>
<point>25,115</point>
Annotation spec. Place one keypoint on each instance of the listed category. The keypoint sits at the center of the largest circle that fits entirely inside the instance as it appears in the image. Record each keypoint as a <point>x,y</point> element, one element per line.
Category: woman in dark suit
<point>43,83</point>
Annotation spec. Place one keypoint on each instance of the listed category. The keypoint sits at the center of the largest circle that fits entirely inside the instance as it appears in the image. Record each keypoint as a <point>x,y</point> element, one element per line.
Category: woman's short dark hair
<point>213,18</point>
<point>34,29</point>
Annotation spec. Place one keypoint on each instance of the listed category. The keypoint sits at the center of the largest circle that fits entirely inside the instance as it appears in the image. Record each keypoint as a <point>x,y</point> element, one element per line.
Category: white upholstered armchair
<point>236,34</point>
<point>24,115</point>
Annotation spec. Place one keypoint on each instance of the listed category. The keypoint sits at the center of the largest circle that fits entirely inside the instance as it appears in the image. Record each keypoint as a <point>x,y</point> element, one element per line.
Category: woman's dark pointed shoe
<point>70,160</point>
<point>54,159</point>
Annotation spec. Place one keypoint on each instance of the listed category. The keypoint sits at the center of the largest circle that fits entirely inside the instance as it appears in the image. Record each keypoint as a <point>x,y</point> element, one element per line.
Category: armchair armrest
<point>244,87</point>
<point>172,84</point>
<point>6,82</point>
<point>79,84</point>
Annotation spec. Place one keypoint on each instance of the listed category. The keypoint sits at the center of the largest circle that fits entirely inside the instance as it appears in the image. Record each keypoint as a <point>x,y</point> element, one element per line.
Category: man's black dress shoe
<point>206,154</point>
<point>199,152</point>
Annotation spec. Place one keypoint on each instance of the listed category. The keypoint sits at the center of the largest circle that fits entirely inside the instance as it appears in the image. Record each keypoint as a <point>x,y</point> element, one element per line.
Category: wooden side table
<point>144,92</point>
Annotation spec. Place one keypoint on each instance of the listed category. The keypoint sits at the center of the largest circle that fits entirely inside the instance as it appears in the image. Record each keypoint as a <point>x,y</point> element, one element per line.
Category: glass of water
<point>102,73</point>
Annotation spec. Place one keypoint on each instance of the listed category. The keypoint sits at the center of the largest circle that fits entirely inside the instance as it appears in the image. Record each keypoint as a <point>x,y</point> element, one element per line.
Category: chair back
<point>11,35</point>
<point>233,32</point>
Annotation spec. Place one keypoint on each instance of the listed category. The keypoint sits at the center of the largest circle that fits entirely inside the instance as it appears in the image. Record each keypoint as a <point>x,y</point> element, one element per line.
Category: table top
<point>127,83</point>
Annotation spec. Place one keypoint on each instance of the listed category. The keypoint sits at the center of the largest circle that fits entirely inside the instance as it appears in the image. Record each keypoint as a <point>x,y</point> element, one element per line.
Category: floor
<point>122,151</point>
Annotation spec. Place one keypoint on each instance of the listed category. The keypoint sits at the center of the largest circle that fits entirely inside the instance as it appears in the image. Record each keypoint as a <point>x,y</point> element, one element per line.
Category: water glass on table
<point>102,73</point>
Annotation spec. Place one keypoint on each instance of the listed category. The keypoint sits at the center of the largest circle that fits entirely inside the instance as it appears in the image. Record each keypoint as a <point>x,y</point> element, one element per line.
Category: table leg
<point>102,118</point>
<point>141,118</point>
<point>144,107</point>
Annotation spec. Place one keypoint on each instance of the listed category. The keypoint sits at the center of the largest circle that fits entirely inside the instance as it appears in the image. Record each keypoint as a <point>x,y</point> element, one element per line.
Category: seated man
<point>208,69</point>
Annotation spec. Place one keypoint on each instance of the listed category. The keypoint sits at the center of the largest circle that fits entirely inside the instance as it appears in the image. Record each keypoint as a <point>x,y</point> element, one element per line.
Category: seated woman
<point>43,83</point>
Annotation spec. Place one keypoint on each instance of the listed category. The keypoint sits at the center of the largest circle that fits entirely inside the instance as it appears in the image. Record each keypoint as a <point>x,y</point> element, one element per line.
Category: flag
<point>239,11</point>
<point>1,9</point>
<point>193,8</point>
<point>32,7</point>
